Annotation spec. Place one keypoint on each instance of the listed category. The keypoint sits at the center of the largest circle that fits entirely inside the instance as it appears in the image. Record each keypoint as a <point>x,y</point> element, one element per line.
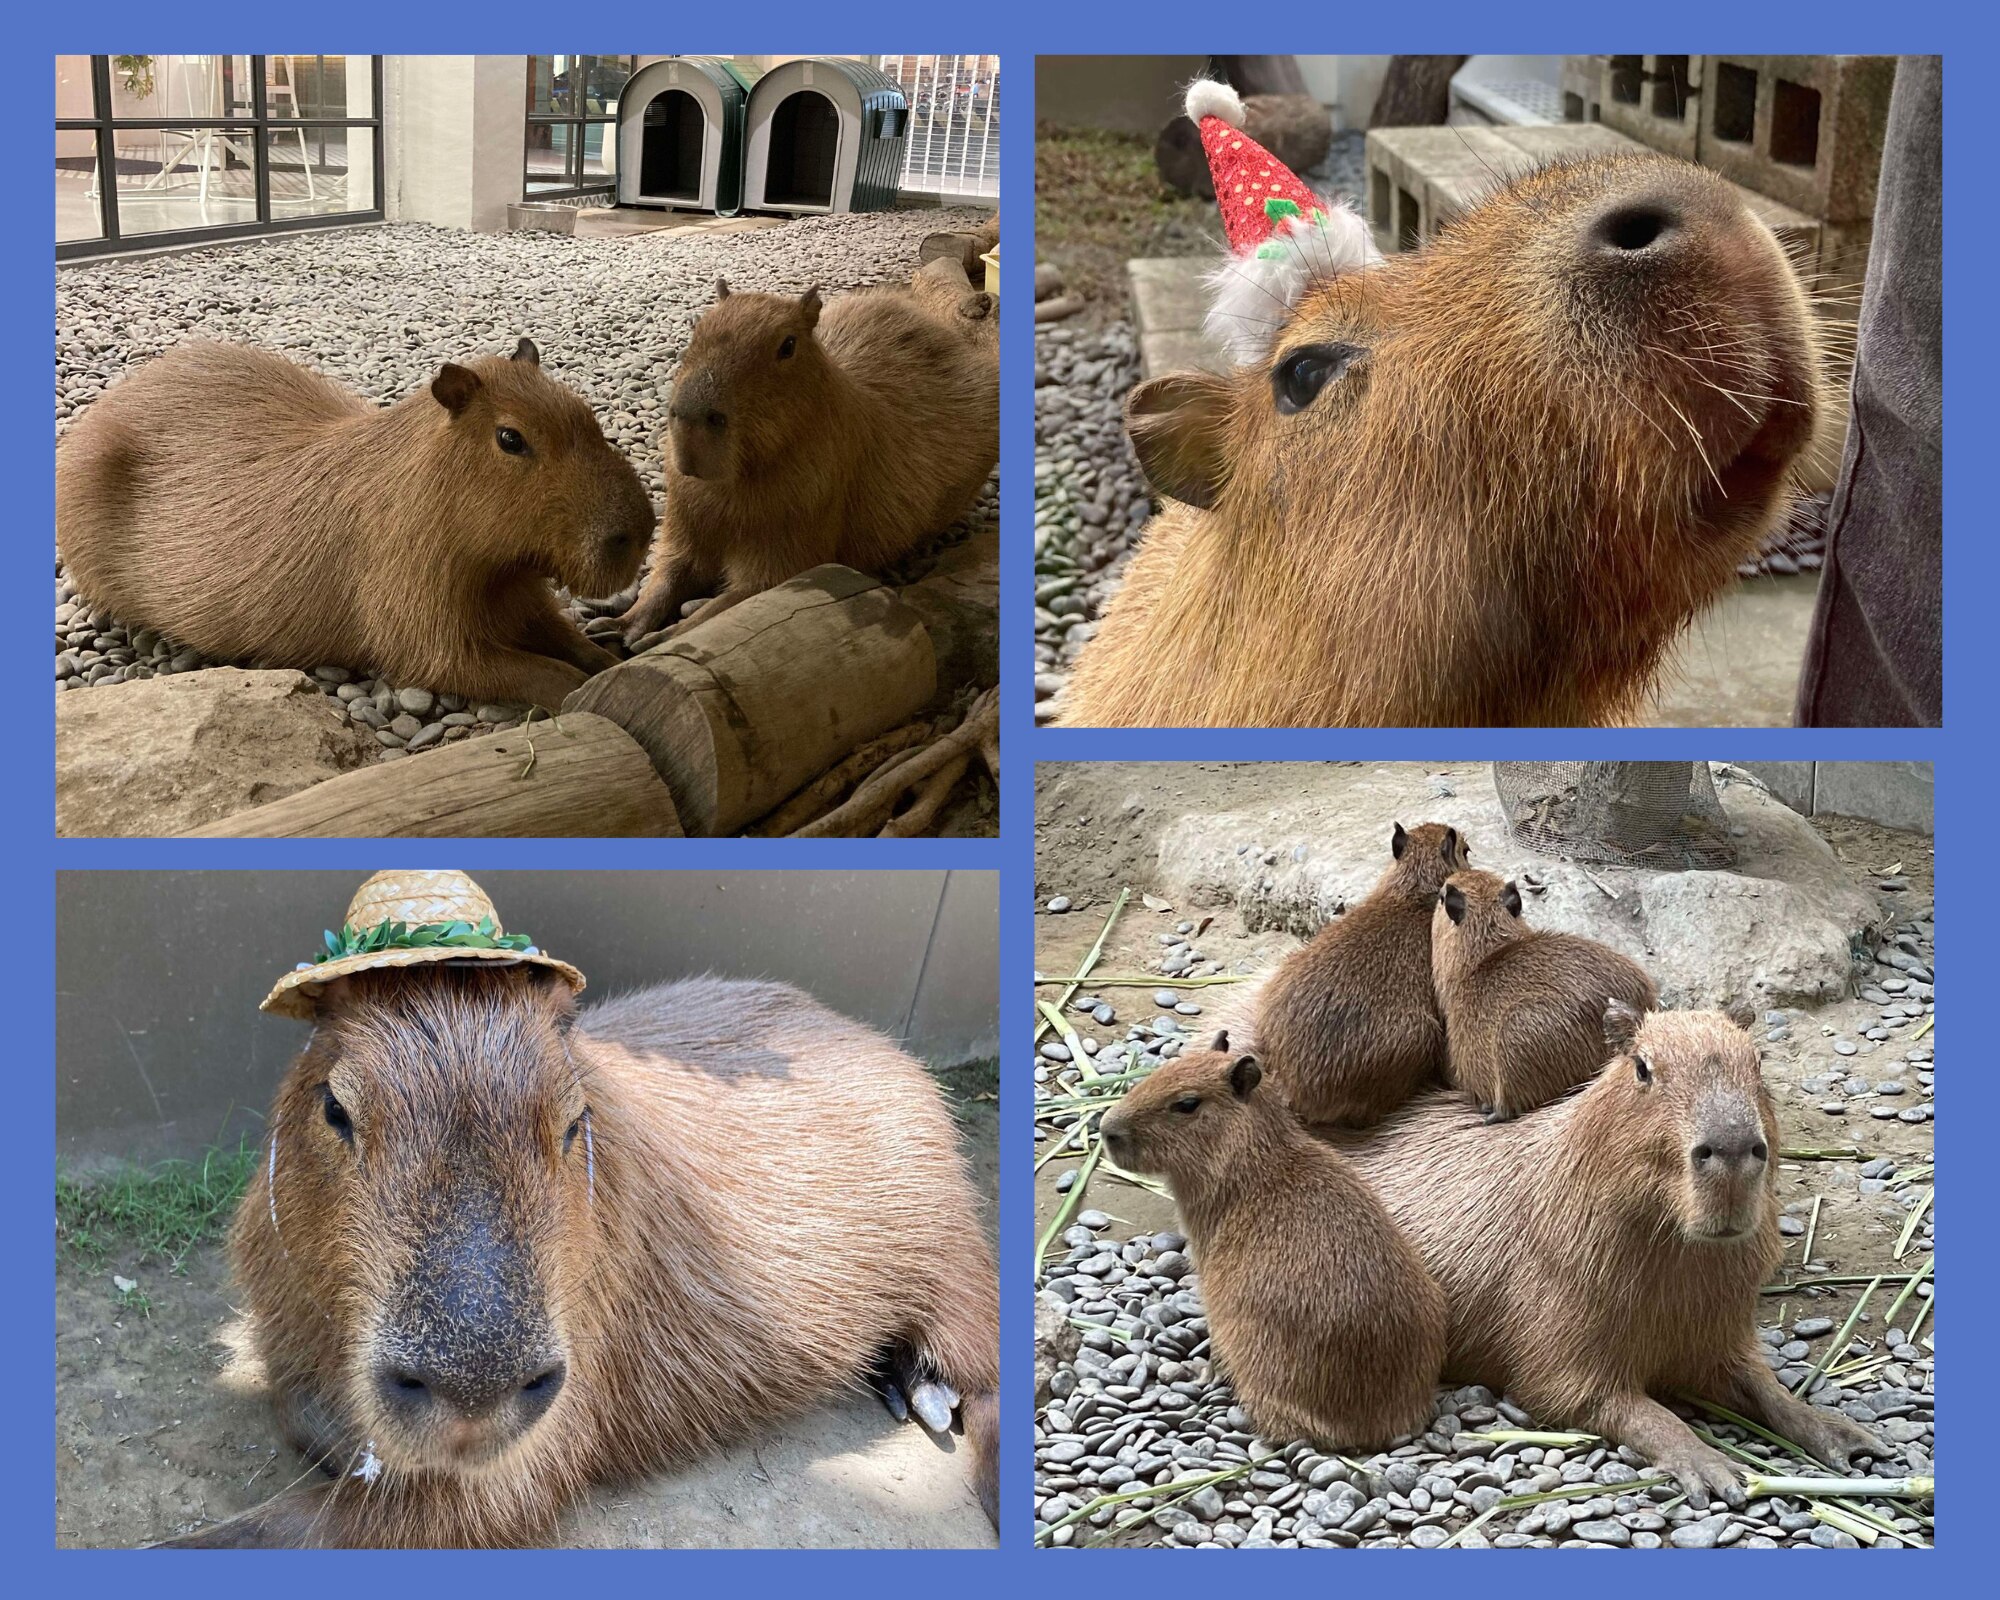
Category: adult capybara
<point>501,1252</point>
<point>1487,483</point>
<point>1607,1250</point>
<point>259,512</point>
<point>796,437</point>
<point>1523,1007</point>
<point>1321,1313</point>
<point>1349,1026</point>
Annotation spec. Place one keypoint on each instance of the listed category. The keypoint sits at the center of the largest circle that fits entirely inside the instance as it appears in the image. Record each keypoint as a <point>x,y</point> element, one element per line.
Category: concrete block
<point>1167,295</point>
<point>1583,88</point>
<point>1180,351</point>
<point>1806,130</point>
<point>1659,104</point>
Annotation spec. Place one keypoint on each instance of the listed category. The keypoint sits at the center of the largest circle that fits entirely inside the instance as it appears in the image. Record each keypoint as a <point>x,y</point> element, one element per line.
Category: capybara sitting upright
<point>259,512</point>
<point>796,437</point>
<point>1349,1026</point>
<point>1487,483</point>
<point>502,1252</point>
<point>1606,1251</point>
<point>1523,1007</point>
<point>1323,1317</point>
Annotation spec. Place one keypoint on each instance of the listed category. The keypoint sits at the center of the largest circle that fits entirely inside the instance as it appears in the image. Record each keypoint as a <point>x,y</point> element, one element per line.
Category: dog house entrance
<point>805,139</point>
<point>670,154</point>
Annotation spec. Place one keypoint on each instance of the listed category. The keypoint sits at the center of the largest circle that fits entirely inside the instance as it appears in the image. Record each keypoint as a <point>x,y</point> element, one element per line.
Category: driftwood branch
<point>871,805</point>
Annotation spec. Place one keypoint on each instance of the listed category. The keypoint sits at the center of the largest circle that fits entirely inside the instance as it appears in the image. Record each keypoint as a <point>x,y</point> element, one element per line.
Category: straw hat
<point>410,919</point>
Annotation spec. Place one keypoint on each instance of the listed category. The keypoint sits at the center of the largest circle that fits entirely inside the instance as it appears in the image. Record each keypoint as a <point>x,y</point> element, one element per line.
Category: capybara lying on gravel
<point>1523,1007</point>
<point>1606,1251</point>
<point>261,513</point>
<point>1487,483</point>
<point>796,438</point>
<point>1349,1026</point>
<point>503,1252</point>
<point>1324,1318</point>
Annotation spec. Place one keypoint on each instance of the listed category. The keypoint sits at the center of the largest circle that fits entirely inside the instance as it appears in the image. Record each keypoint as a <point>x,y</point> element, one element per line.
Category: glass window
<point>572,140</point>
<point>171,179</point>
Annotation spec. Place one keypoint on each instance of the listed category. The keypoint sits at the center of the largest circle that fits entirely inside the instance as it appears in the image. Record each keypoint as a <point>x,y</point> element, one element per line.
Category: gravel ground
<point>381,309</point>
<point>1140,1404</point>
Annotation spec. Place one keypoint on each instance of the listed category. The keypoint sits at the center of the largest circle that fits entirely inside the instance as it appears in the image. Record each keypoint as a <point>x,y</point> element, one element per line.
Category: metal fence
<point>953,147</point>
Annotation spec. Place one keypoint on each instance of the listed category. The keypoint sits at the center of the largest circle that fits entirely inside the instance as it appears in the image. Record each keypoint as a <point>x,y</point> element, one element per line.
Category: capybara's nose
<point>716,420</point>
<point>1639,225</point>
<point>1729,1153</point>
<point>540,1391</point>
<point>413,1389</point>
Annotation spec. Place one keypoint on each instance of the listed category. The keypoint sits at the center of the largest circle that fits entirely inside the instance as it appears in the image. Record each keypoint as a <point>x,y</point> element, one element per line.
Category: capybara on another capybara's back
<point>1323,1317</point>
<point>1523,1007</point>
<point>1349,1026</point>
<point>1605,1252</point>
<point>259,512</point>
<point>798,436</point>
<point>503,1252</point>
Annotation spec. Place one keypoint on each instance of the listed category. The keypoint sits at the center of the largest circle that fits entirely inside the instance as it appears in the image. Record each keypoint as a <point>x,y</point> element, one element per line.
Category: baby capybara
<point>1606,1251</point>
<point>1483,484</point>
<point>796,437</point>
<point>501,1252</point>
<point>1349,1026</point>
<point>259,512</point>
<point>1523,1007</point>
<point>1323,1317</point>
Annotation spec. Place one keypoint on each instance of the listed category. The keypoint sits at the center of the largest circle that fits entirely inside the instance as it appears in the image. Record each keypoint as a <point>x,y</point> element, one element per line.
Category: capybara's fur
<point>1323,1317</point>
<point>1486,483</point>
<point>1349,1026</point>
<point>797,436</point>
<point>499,1254</point>
<point>942,289</point>
<point>1606,1251</point>
<point>1523,1007</point>
<point>259,512</point>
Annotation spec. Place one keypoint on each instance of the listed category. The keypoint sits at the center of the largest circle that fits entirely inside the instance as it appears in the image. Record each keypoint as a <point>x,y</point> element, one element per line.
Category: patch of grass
<point>1099,199</point>
<point>971,1086</point>
<point>153,1213</point>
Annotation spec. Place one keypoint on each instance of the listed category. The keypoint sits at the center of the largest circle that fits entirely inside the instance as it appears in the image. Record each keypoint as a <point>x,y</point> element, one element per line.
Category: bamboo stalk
<point>1812,1228</point>
<point>1845,1522</point>
<point>1154,982</point>
<point>1090,960</point>
<point>1760,1486</point>
<point>1910,1227</point>
<point>1068,1208</point>
<point>1839,1341</point>
<point>1910,1288</point>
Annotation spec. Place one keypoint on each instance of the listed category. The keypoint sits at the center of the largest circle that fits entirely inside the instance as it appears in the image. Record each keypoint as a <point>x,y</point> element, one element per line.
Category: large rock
<point>162,755</point>
<point>1781,929</point>
<point>1293,127</point>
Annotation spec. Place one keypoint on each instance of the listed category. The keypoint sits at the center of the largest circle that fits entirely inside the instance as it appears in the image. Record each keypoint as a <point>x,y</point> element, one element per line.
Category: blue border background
<point>1016,30</point>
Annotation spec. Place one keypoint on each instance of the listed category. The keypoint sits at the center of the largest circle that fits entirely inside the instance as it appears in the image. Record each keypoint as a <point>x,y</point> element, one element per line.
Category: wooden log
<point>1263,74</point>
<point>1415,92</point>
<point>959,601</point>
<point>742,711</point>
<point>577,776</point>
<point>964,248</point>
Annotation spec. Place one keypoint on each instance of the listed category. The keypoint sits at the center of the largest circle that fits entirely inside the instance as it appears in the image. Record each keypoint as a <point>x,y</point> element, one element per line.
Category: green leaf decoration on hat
<point>1276,210</point>
<point>419,936</point>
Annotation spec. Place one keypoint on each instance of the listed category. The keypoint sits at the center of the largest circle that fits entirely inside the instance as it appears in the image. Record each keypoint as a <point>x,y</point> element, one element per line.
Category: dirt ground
<point>1097,828</point>
<point>150,1443</point>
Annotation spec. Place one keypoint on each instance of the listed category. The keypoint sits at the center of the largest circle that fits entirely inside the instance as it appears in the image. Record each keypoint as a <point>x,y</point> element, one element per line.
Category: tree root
<point>872,805</point>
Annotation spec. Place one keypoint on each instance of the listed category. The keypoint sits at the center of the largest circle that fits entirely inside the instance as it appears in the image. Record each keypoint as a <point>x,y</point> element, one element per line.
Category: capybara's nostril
<point>1634,226</point>
<point>540,1391</point>
<point>1702,1153</point>
<point>1760,1151</point>
<point>402,1390</point>
<point>717,421</point>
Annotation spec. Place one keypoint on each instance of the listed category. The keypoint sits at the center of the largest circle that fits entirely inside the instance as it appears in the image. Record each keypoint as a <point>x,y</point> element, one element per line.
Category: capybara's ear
<point>1621,1025</point>
<point>1221,1044</point>
<point>809,306</point>
<point>1244,1076</point>
<point>526,351</point>
<point>1740,1012</point>
<point>1510,897</point>
<point>722,288</point>
<point>1399,841</point>
<point>1454,902</point>
<point>1178,425</point>
<point>1450,850</point>
<point>454,387</point>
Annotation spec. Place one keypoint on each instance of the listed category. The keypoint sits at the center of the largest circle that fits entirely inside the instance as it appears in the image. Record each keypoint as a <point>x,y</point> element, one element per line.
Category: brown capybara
<point>796,437</point>
<point>1483,484</point>
<point>1349,1026</point>
<point>259,512</point>
<point>1322,1315</point>
<point>1606,1250</point>
<point>501,1252</point>
<point>1523,1007</point>
<point>942,289</point>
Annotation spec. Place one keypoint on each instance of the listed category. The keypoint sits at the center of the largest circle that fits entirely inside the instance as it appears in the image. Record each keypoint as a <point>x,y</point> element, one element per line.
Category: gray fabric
<point>1875,656</point>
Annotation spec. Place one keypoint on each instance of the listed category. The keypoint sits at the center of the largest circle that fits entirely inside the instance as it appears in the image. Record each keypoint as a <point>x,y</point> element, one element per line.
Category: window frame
<point>259,124</point>
<point>576,122</point>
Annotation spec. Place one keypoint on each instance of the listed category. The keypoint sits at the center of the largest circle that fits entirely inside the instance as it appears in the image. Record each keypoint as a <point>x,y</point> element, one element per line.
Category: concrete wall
<point>455,130</point>
<point>1896,794</point>
<point>161,1050</point>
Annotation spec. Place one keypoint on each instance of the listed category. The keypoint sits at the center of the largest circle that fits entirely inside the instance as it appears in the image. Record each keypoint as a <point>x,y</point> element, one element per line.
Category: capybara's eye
<point>1641,1070</point>
<point>570,1133</point>
<point>1298,379</point>
<point>785,350</point>
<point>1187,1102</point>
<point>511,441</point>
<point>336,1114</point>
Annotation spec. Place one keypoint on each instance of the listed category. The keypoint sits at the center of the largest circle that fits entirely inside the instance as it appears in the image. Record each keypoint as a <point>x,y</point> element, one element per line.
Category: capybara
<point>796,437</point>
<point>501,1252</point>
<point>1606,1250</point>
<point>1523,1007</point>
<point>1482,484</point>
<point>1349,1026</point>
<point>1322,1315</point>
<point>259,512</point>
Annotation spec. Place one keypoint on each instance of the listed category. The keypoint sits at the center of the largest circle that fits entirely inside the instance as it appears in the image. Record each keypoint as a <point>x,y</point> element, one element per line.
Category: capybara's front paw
<point>1704,1475</point>
<point>1832,1438</point>
<point>645,616</point>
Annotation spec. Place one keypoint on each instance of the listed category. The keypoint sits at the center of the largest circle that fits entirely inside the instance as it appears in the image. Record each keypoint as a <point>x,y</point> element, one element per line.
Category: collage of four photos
<point>545,937</point>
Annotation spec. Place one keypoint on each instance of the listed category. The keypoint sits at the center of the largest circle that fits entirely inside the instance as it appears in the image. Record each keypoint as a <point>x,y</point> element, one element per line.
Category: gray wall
<point>1896,794</point>
<point>161,1050</point>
